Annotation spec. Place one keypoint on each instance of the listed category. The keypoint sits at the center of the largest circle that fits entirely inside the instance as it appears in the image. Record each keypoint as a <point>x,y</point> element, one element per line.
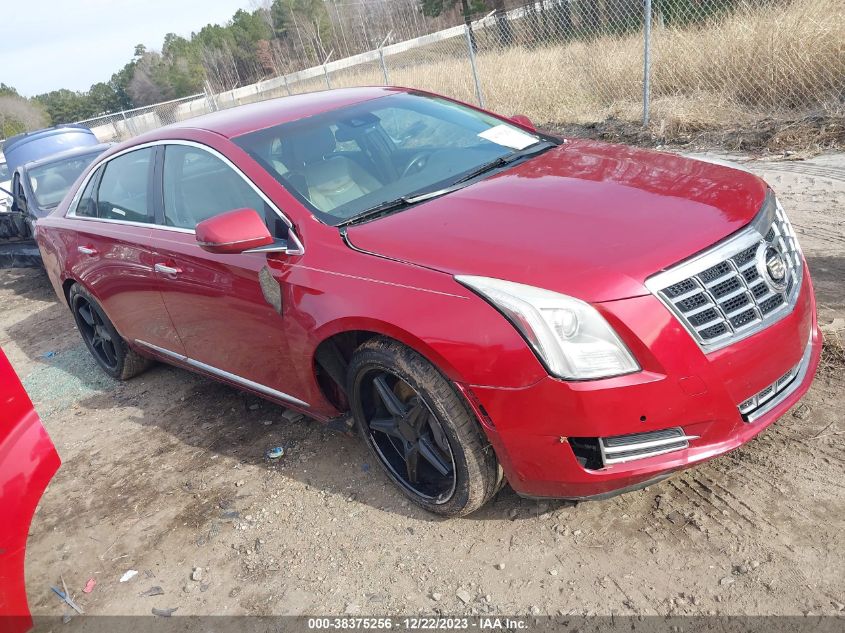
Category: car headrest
<point>310,146</point>
<point>344,134</point>
<point>50,182</point>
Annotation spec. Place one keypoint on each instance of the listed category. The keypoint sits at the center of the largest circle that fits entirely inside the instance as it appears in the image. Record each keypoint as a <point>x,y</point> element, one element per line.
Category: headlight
<point>571,338</point>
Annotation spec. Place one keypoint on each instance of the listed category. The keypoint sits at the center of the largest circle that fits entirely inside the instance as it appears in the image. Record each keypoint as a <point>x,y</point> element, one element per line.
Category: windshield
<point>49,183</point>
<point>350,160</point>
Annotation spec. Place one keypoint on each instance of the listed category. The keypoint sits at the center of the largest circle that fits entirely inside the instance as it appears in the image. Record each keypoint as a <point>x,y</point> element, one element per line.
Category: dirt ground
<point>165,474</point>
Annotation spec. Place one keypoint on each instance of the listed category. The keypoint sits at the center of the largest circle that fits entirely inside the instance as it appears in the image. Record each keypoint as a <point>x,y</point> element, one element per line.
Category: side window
<point>198,185</point>
<point>122,194</point>
<point>87,205</point>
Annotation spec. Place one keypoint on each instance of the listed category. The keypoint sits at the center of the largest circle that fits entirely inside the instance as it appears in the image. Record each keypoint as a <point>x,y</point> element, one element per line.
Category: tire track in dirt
<point>825,450</point>
<point>804,169</point>
<point>821,233</point>
<point>705,504</point>
<point>733,507</point>
<point>751,515</point>
<point>727,504</point>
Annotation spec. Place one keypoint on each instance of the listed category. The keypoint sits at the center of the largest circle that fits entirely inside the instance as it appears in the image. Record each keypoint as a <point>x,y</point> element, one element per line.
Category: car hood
<point>588,219</point>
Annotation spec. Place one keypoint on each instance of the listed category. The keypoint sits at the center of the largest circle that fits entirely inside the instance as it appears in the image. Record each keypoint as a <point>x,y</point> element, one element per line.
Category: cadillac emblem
<point>772,266</point>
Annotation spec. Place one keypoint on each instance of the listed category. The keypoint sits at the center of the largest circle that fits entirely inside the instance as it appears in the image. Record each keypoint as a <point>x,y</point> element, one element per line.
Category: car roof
<point>70,153</point>
<point>243,119</point>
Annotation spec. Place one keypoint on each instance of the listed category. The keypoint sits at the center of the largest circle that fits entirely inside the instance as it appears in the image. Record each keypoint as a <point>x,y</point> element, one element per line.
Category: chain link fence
<point>125,124</point>
<point>682,64</point>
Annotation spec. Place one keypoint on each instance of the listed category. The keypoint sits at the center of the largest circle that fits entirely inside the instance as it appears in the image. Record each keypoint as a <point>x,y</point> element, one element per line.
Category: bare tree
<point>19,115</point>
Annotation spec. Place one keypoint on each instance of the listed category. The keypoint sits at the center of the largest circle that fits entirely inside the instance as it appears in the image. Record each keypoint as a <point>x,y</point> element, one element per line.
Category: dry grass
<point>784,62</point>
<point>783,57</point>
<point>833,352</point>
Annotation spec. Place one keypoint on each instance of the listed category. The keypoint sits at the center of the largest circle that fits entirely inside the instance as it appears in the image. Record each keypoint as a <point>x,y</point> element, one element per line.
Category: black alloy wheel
<point>101,338</point>
<point>96,335</point>
<point>408,437</point>
<point>420,429</point>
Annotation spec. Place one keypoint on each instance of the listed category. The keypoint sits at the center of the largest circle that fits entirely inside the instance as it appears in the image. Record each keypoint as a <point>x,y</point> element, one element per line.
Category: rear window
<point>50,183</point>
<point>124,186</point>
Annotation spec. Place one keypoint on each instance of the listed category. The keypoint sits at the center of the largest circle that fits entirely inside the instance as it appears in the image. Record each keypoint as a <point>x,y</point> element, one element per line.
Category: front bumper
<point>679,387</point>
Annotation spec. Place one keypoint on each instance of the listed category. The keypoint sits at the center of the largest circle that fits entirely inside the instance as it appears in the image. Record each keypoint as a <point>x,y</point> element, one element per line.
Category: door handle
<point>85,250</point>
<point>166,270</point>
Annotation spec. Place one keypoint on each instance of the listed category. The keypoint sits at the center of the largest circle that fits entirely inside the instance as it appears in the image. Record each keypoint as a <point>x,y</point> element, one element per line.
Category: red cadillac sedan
<point>487,302</point>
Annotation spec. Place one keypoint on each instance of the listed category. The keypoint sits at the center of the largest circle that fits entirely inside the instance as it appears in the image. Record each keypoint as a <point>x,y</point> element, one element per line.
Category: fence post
<point>326,70</point>
<point>471,49</point>
<point>646,62</point>
<point>381,58</point>
<point>383,67</point>
<point>209,97</point>
<point>125,125</point>
<point>130,126</point>
<point>287,85</point>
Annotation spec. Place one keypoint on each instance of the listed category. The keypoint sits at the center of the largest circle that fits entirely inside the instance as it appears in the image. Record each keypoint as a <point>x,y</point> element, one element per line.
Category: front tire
<point>101,338</point>
<point>420,430</point>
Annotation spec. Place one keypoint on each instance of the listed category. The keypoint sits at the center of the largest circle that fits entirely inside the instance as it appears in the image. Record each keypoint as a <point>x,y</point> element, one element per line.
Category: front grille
<point>769,396</point>
<point>598,452</point>
<point>721,295</point>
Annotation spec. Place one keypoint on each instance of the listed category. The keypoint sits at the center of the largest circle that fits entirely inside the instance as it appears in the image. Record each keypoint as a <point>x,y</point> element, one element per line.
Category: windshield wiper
<point>394,205</point>
<point>406,201</point>
<point>505,160</point>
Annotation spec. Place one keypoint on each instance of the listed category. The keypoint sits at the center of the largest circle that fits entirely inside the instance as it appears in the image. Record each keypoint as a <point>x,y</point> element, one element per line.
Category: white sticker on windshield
<point>509,137</point>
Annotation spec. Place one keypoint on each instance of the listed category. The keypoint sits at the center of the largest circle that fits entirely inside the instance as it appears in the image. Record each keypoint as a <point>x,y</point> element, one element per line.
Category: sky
<point>50,44</point>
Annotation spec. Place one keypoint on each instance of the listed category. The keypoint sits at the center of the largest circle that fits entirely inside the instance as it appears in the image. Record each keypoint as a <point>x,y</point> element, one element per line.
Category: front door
<point>226,308</point>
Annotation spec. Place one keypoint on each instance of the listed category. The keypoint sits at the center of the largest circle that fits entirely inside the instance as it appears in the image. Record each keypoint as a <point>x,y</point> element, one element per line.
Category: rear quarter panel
<point>56,245</point>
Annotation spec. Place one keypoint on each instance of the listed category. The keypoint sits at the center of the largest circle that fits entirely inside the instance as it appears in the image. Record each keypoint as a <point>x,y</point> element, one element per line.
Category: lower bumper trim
<point>611,493</point>
<point>798,374</point>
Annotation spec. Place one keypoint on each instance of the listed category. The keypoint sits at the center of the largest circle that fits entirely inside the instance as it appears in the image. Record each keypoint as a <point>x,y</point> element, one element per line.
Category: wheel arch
<point>69,282</point>
<point>339,339</point>
<point>66,286</point>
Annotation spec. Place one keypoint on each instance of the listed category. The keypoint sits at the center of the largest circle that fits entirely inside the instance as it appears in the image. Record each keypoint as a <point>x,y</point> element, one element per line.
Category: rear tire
<point>101,338</point>
<point>420,430</point>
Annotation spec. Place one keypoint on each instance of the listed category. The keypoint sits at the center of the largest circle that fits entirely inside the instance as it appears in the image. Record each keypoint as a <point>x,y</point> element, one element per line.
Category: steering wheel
<point>417,163</point>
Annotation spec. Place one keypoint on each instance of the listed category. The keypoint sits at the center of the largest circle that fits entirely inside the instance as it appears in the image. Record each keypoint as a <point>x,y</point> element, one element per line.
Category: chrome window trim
<point>299,248</point>
<point>250,384</point>
<point>251,239</point>
<point>746,237</point>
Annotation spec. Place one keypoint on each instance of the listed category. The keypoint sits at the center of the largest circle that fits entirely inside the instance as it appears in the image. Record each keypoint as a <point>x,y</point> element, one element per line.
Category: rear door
<point>113,219</point>
<point>223,306</point>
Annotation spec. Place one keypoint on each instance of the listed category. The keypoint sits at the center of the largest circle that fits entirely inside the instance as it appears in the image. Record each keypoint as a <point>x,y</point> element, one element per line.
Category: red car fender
<point>390,330</point>
<point>28,460</point>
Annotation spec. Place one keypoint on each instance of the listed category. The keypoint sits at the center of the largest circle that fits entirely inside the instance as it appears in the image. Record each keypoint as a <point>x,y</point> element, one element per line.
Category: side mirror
<point>523,121</point>
<point>233,232</point>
